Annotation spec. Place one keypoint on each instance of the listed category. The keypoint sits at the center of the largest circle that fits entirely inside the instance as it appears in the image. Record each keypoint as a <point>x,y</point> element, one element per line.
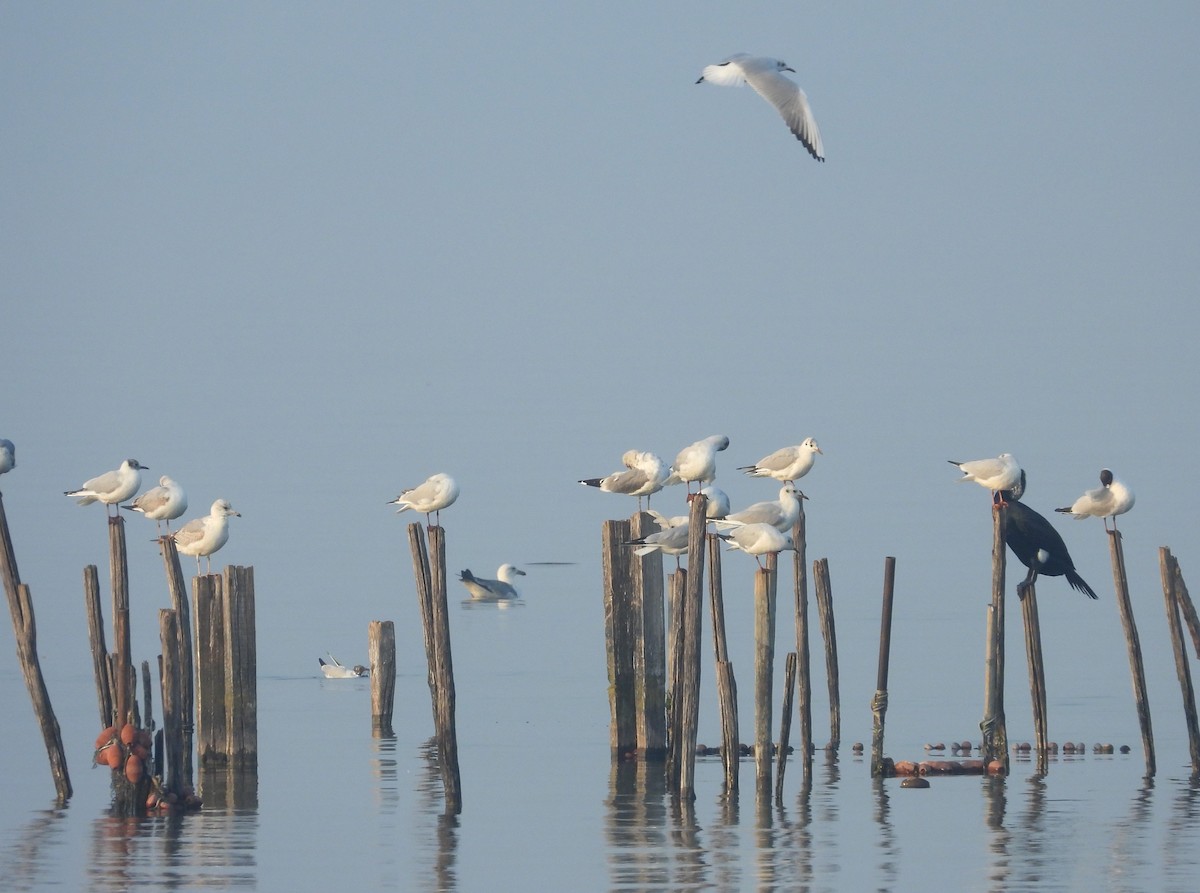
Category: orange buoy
<point>127,732</point>
<point>133,768</point>
<point>112,756</point>
<point>106,736</point>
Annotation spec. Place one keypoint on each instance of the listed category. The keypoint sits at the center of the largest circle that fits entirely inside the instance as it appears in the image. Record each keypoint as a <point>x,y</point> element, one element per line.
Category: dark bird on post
<point>1037,544</point>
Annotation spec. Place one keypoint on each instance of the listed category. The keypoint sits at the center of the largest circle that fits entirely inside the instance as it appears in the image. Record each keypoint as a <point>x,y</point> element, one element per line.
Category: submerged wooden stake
<point>184,656</point>
<point>803,662</point>
<point>123,694</point>
<point>649,641</point>
<point>726,683</point>
<point>993,726</point>
<point>829,631</point>
<point>879,704</point>
<point>381,657</point>
<point>619,614</point>
<point>689,687</point>
<point>764,673</point>
<point>100,664</point>
<point>1037,673</point>
<point>172,686</point>
<point>785,724</point>
<point>1133,645</point>
<point>1168,571</point>
<point>241,669</point>
<point>208,601</point>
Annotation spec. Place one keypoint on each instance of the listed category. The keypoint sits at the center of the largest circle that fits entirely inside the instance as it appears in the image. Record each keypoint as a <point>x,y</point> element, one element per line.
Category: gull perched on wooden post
<point>1110,499</point>
<point>435,494</point>
<point>112,487</point>
<point>697,462</point>
<point>166,502</point>
<point>998,475</point>
<point>788,464</point>
<point>203,536</point>
<point>644,474</point>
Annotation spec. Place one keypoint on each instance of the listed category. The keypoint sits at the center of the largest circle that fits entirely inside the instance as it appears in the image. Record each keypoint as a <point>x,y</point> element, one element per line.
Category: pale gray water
<point>544,807</point>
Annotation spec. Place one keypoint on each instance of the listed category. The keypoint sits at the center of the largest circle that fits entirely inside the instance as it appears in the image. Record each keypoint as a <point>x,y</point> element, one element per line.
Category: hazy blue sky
<point>304,255</point>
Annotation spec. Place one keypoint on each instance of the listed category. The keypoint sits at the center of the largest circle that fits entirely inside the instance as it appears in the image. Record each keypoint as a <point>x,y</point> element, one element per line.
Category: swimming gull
<point>758,540</point>
<point>1037,544</point>
<point>644,475</point>
<point>335,670</point>
<point>500,588</point>
<point>203,536</point>
<point>1110,499</point>
<point>781,514</point>
<point>435,494</point>
<point>111,487</point>
<point>998,475</point>
<point>166,502</point>
<point>787,464</point>
<point>765,75</point>
<point>698,462</point>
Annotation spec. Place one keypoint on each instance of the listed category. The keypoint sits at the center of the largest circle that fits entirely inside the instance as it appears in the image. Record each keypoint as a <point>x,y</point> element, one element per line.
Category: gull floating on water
<point>8,456</point>
<point>787,464</point>
<point>697,462</point>
<point>335,670</point>
<point>765,75</point>
<point>1037,544</point>
<point>645,475</point>
<point>502,588</point>
<point>758,540</point>
<point>781,514</point>
<point>111,487</point>
<point>166,502</point>
<point>438,492</point>
<point>1110,499</point>
<point>204,536</point>
<point>998,475</point>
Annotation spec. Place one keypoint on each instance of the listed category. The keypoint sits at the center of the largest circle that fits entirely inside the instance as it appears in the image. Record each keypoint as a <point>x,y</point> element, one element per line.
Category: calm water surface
<point>545,808</point>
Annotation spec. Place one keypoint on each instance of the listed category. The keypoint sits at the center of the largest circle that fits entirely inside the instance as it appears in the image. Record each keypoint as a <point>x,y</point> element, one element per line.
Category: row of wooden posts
<point>208,680</point>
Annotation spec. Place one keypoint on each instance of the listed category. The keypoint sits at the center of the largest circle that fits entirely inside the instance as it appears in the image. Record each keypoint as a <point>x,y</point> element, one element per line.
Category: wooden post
<point>1037,673</point>
<point>803,660</point>
<point>172,685</point>
<point>241,669</point>
<point>879,704</point>
<point>381,656</point>
<point>1133,646</point>
<point>785,724</point>
<point>1166,564</point>
<point>185,655</point>
<point>726,684</point>
<point>829,632</point>
<point>95,616</point>
<point>619,619</point>
<point>676,584</point>
<point>690,629</point>
<point>1187,607</point>
<point>209,603</point>
<point>993,726</point>
<point>118,567</point>
<point>420,558</point>
<point>650,661</point>
<point>764,672</point>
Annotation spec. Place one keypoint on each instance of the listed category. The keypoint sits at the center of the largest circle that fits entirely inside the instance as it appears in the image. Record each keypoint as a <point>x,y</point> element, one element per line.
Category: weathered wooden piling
<point>171,680</point>
<point>185,655</point>
<point>824,589</point>
<point>241,669</point>
<point>20,605</point>
<point>429,569</point>
<point>1133,645</point>
<point>1037,673</point>
<point>803,661</point>
<point>785,724</point>
<point>100,662</point>
<point>208,598</point>
<point>1188,607</point>
<point>146,720</point>
<point>619,637</point>
<point>879,702</point>
<point>1167,569</point>
<point>688,689</point>
<point>993,725</point>
<point>118,568</point>
<point>381,656</point>
<point>726,683</point>
<point>649,641</point>
<point>676,584</point>
<point>764,672</point>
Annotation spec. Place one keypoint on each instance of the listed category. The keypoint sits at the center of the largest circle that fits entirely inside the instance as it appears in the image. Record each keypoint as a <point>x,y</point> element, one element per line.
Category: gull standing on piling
<point>502,588</point>
<point>204,536</point>
<point>671,540</point>
<point>435,494</point>
<point>697,462</point>
<point>758,540</point>
<point>718,503</point>
<point>166,502</point>
<point>1110,499</point>
<point>765,75</point>
<point>998,475</point>
<point>112,487</point>
<point>782,513</point>
<point>788,464</point>
<point>644,475</point>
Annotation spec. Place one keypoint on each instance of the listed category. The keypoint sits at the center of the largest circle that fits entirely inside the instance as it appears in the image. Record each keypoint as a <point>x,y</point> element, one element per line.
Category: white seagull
<point>1110,499</point>
<point>8,456</point>
<point>438,492</point>
<point>203,536</point>
<point>765,75</point>
<point>1001,473</point>
<point>718,503</point>
<point>758,540</point>
<point>787,464</point>
<point>166,502</point>
<point>698,462</point>
<point>335,670</point>
<point>781,514</point>
<point>672,539</point>
<point>111,487</point>
<point>500,588</point>
<point>645,473</point>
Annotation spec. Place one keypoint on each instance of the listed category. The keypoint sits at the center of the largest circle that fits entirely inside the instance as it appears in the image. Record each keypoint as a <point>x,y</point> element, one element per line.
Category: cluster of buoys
<point>127,748</point>
<point>943,767</point>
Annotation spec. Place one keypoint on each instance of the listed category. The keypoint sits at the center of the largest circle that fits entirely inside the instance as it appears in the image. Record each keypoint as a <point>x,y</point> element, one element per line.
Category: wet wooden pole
<point>118,567</point>
<point>993,725</point>
<point>676,584</point>
<point>785,724</point>
<point>619,637</point>
<point>241,669</point>
<point>20,605</point>
<point>184,657</point>
<point>803,660</point>
<point>879,703</point>
<point>1133,646</point>
<point>1188,608</point>
<point>381,656</point>
<point>764,673</point>
<point>649,641</point>
<point>1037,673</point>
<point>100,663</point>
<point>1167,569</point>
<point>726,683</point>
<point>171,674</point>
<point>690,628</point>
<point>209,603</point>
<point>829,631</point>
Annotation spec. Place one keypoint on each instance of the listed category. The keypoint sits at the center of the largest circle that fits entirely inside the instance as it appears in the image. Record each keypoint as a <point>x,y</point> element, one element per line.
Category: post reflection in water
<point>22,862</point>
<point>995,804</point>
<point>889,863</point>
<point>1179,859</point>
<point>442,874</point>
